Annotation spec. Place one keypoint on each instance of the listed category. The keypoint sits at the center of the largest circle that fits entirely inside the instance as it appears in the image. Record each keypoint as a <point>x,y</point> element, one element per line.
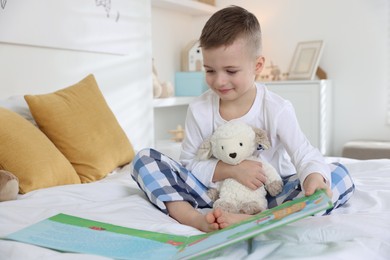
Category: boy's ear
<point>260,61</point>
<point>204,151</point>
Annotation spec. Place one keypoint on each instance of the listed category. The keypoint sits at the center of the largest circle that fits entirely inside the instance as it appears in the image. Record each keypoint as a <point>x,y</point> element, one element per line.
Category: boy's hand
<point>313,182</point>
<point>250,174</point>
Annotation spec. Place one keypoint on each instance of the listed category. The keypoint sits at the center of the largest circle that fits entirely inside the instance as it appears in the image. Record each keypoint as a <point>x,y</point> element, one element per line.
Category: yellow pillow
<point>79,122</point>
<point>28,154</point>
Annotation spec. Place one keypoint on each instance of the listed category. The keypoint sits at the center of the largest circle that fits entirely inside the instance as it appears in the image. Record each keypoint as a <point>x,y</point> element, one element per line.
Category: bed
<point>358,230</point>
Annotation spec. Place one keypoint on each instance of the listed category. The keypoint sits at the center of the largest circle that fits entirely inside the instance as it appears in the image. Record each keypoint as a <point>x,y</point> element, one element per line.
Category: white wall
<point>355,58</point>
<point>355,55</point>
<point>123,79</point>
<point>171,32</point>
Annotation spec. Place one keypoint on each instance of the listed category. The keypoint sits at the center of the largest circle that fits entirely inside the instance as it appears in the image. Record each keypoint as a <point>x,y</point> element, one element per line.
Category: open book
<point>73,234</point>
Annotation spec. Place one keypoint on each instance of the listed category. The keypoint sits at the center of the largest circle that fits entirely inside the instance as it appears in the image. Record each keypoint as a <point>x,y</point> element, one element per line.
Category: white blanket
<point>360,230</point>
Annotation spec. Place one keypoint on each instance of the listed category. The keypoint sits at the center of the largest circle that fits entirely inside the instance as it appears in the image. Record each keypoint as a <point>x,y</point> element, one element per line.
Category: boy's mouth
<point>224,91</point>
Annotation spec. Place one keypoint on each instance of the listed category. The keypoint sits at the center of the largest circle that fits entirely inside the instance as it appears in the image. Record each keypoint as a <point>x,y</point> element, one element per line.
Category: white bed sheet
<point>360,230</point>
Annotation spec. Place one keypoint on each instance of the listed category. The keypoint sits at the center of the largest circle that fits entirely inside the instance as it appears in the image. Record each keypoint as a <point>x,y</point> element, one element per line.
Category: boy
<point>231,47</point>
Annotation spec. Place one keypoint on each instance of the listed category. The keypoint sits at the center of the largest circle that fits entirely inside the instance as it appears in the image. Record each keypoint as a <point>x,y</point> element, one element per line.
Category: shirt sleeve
<point>198,128</point>
<point>306,158</point>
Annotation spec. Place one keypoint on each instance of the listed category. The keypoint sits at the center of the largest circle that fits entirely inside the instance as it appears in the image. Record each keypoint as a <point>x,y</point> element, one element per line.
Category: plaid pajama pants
<point>163,180</point>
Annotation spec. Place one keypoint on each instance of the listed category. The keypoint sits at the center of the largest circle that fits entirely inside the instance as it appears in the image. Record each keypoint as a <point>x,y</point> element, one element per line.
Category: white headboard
<point>125,80</point>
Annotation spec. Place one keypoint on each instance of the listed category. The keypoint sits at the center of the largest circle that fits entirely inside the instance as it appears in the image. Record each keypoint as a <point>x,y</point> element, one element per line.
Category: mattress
<point>358,230</point>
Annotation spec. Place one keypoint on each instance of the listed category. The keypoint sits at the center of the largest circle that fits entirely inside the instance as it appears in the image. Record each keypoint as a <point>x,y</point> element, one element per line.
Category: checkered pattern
<point>163,179</point>
<point>342,185</point>
<point>342,188</point>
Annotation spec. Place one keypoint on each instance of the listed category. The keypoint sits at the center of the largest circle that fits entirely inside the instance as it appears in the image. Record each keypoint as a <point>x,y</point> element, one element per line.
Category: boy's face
<point>231,70</point>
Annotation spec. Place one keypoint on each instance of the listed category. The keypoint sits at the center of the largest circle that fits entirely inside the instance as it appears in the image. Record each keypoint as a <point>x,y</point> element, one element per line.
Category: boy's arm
<point>198,127</point>
<point>306,158</point>
<point>249,173</point>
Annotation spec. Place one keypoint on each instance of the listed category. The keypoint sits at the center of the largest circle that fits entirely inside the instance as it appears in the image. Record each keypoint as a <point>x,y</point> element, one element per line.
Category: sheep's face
<point>233,143</point>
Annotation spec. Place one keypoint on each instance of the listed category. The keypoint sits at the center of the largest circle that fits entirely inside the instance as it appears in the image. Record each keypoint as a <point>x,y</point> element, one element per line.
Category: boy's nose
<point>220,79</point>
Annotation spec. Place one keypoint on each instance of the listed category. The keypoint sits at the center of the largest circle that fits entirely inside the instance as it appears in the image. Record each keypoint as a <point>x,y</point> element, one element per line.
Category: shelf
<point>172,101</point>
<point>295,82</point>
<point>191,7</point>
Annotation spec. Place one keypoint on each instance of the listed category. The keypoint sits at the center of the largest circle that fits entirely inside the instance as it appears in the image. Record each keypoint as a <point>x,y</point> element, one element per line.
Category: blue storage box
<point>190,83</point>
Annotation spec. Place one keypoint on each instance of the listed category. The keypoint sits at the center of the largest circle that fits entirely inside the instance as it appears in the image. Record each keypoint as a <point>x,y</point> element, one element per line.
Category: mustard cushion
<point>27,153</point>
<point>80,123</point>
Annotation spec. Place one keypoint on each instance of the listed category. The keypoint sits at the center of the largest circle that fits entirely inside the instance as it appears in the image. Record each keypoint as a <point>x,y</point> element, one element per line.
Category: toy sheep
<point>233,143</point>
<point>9,186</point>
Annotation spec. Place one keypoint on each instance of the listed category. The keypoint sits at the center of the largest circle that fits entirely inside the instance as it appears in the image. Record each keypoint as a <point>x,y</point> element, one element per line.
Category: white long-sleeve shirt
<point>290,151</point>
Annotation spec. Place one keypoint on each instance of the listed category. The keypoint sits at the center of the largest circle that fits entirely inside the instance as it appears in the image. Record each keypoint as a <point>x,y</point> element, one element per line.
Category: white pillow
<point>18,105</point>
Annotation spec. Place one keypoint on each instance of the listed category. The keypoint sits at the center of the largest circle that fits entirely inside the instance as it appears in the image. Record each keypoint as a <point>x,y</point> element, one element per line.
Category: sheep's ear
<point>261,138</point>
<point>204,151</point>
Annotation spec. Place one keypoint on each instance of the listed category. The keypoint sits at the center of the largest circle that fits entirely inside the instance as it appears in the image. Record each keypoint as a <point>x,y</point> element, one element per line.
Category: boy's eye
<point>231,71</point>
<point>209,71</point>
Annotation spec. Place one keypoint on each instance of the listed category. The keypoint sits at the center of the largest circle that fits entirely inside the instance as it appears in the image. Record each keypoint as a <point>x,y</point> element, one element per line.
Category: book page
<point>73,234</point>
<point>65,237</point>
<point>260,223</point>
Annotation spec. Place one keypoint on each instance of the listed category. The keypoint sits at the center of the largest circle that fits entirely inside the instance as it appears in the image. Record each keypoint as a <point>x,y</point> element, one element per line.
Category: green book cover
<point>73,234</point>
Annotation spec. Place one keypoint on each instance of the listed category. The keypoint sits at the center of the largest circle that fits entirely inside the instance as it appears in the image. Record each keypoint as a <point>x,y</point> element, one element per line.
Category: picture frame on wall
<point>305,61</point>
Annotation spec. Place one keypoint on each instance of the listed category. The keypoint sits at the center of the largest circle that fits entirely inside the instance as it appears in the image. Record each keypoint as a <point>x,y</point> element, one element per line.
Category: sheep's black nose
<point>232,155</point>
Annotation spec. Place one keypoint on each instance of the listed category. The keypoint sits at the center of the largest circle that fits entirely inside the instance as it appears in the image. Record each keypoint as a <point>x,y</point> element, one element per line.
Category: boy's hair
<point>228,24</point>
